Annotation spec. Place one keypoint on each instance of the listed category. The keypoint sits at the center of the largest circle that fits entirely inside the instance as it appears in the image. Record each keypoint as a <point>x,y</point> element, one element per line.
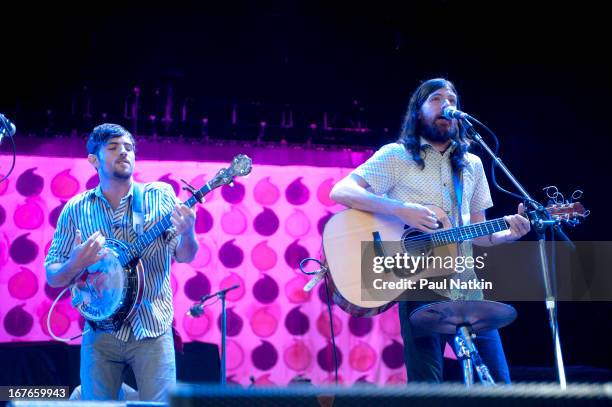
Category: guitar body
<point>342,239</point>
<point>106,294</point>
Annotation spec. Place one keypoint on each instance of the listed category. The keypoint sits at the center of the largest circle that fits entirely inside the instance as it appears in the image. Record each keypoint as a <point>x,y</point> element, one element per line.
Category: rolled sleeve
<point>379,171</point>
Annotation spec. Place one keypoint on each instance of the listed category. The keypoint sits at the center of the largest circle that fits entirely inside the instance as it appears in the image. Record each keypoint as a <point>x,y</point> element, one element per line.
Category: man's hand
<point>417,216</point>
<point>183,219</point>
<point>85,254</point>
<point>519,225</point>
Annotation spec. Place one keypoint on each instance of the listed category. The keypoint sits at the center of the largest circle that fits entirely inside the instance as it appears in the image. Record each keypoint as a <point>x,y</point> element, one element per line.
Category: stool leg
<point>463,354</point>
<point>465,335</point>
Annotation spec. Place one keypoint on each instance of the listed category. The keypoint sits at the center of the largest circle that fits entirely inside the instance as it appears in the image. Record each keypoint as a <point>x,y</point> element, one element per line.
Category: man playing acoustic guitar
<point>144,341</point>
<point>400,178</point>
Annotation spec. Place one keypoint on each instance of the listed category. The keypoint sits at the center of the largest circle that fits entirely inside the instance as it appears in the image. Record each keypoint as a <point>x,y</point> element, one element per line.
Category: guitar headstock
<point>571,213</point>
<point>241,165</point>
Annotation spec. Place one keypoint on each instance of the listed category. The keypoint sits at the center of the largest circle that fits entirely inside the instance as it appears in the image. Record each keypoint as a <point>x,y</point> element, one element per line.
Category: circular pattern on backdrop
<point>229,281</point>
<point>235,355</point>
<point>175,185</point>
<point>297,193</point>
<point>321,223</point>
<point>233,194</point>
<point>233,222</point>
<point>294,254</point>
<point>233,322</point>
<point>204,220</point>
<point>23,250</point>
<point>3,184</point>
<point>92,182</point>
<point>55,213</point>
<point>204,254</point>
<point>265,289</point>
<point>393,355</point>
<point>263,322</point>
<point>2,215</point>
<point>297,322</point>
<point>324,327</point>
<point>360,326</point>
<point>389,322</point>
<point>18,322</point>
<point>323,192</point>
<point>297,356</point>
<point>263,256</point>
<point>23,284</point>
<point>264,356</point>
<point>325,358</point>
<point>297,224</point>
<point>28,215</point>
<point>266,222</point>
<point>231,255</point>
<point>29,183</point>
<point>196,327</point>
<point>294,289</point>
<point>64,185</point>
<point>362,357</point>
<point>197,286</point>
<point>265,192</point>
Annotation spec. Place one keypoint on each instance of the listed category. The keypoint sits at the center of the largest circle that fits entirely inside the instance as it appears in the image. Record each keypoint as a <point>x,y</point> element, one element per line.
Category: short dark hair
<point>104,132</point>
<point>411,128</point>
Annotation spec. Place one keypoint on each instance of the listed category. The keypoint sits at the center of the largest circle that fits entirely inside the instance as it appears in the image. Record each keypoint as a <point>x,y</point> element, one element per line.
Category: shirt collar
<point>427,145</point>
<point>98,191</point>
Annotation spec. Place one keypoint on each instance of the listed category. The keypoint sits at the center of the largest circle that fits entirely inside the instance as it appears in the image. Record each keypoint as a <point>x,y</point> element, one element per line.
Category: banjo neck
<point>135,249</point>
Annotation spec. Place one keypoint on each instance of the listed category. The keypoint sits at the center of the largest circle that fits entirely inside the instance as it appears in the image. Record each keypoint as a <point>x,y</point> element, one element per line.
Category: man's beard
<point>431,132</point>
<point>122,174</point>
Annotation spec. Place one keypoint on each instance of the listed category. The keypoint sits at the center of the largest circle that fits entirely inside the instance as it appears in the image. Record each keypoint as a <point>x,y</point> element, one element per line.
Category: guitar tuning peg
<point>577,194</point>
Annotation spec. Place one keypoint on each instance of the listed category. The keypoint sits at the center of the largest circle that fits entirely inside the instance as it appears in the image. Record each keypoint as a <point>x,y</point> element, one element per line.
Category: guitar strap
<point>137,209</point>
<point>458,185</point>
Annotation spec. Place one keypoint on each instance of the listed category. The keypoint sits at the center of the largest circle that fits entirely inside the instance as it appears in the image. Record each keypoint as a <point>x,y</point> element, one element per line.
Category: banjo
<point>110,291</point>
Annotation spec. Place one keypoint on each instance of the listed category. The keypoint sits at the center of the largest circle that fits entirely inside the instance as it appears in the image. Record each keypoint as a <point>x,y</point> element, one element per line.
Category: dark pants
<point>423,352</point>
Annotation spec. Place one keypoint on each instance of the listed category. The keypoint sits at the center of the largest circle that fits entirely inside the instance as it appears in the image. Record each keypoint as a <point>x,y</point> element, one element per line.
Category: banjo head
<point>102,287</point>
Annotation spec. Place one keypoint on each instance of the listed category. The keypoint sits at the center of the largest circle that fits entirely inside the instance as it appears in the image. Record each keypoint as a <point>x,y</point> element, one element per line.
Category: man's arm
<point>82,256</point>
<point>352,191</point>
<point>519,226</point>
<point>183,219</point>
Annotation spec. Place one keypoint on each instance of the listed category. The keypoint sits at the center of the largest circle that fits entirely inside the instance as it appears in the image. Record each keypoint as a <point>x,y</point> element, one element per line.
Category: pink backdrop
<point>254,234</point>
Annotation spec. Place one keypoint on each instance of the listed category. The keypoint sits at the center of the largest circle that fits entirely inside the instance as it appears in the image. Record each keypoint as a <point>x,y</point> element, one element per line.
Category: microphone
<point>313,281</point>
<point>451,113</point>
<point>196,310</point>
<point>7,128</point>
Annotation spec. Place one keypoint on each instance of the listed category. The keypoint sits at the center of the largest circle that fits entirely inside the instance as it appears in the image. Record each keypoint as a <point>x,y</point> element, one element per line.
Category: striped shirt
<point>392,172</point>
<point>90,211</point>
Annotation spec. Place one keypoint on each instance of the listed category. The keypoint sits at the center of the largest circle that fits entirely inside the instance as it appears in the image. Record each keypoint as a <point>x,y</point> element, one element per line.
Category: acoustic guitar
<point>345,231</point>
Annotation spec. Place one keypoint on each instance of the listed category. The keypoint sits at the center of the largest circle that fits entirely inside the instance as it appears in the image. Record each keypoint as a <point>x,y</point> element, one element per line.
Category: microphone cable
<point>4,125</point>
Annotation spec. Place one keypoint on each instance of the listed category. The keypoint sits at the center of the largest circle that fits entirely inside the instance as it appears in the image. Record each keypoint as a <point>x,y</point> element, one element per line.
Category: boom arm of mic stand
<point>540,229</point>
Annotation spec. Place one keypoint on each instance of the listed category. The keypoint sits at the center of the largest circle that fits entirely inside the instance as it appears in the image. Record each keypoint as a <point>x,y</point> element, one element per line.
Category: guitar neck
<point>136,248</point>
<point>462,233</point>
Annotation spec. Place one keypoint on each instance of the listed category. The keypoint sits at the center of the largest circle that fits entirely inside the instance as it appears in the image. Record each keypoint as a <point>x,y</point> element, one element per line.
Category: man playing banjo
<point>144,340</point>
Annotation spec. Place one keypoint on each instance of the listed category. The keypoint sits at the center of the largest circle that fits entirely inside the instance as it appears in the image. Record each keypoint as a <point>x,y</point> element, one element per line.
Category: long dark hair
<point>412,127</point>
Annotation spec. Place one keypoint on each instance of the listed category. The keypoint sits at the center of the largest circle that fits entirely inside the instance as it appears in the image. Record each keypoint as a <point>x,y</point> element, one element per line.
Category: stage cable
<point>57,338</point>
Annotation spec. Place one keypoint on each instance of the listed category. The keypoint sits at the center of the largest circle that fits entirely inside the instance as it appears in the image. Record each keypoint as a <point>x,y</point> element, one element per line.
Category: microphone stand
<point>221,295</point>
<point>541,222</point>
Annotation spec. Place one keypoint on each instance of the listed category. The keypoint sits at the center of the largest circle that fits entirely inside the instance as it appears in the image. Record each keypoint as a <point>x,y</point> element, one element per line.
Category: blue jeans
<point>103,358</point>
<point>423,352</point>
